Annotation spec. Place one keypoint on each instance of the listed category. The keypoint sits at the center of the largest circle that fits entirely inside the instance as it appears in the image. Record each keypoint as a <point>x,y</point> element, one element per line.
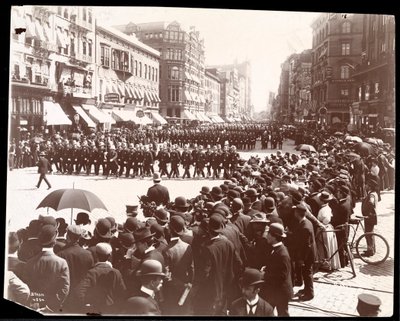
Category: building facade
<point>375,75</point>
<point>237,79</point>
<point>283,113</point>
<point>300,86</point>
<point>212,90</point>
<point>127,77</point>
<point>336,50</point>
<point>181,67</point>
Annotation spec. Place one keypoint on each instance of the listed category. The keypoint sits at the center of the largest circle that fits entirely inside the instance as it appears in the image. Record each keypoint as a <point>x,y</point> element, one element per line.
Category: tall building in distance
<point>336,50</point>
<point>283,111</point>
<point>181,66</point>
<point>375,75</point>
<point>300,86</point>
<point>235,89</point>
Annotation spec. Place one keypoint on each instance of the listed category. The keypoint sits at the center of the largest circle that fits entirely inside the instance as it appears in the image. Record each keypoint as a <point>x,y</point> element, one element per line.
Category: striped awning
<point>157,118</point>
<point>158,100</point>
<point>84,116</point>
<point>54,115</point>
<point>98,115</point>
<point>61,39</point>
<point>188,97</point>
<point>121,89</point>
<point>186,114</point>
<point>147,95</point>
<point>139,93</point>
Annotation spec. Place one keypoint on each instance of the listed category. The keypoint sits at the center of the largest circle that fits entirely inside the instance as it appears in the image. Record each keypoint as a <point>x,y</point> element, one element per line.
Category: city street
<point>335,293</point>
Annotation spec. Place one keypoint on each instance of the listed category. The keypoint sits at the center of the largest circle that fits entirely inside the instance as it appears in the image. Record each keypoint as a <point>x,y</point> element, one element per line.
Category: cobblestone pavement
<point>335,293</point>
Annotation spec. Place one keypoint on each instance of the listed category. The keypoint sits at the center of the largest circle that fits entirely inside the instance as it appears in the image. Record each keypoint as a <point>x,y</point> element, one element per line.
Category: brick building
<point>336,50</point>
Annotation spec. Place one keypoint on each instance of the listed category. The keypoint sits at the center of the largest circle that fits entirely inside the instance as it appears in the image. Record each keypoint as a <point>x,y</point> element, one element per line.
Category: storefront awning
<point>205,118</point>
<point>219,119</point>
<point>157,118</point>
<point>188,76</point>
<point>145,120</point>
<point>54,115</point>
<point>129,92</point>
<point>121,89</point>
<point>188,115</point>
<point>61,39</point>
<point>157,96</point>
<point>98,115</point>
<point>124,115</point>
<point>39,31</point>
<point>132,91</point>
<point>139,93</point>
<point>147,96</point>
<point>84,116</point>
<point>188,97</point>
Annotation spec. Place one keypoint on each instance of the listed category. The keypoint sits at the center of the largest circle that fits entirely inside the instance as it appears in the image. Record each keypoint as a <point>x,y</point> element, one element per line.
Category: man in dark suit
<point>179,263</point>
<point>43,167</point>
<point>250,304</point>
<point>103,287</point>
<point>151,278</point>
<point>46,274</point>
<point>221,266</point>
<point>341,213</point>
<point>304,251</point>
<point>158,193</point>
<point>277,289</point>
<point>79,262</point>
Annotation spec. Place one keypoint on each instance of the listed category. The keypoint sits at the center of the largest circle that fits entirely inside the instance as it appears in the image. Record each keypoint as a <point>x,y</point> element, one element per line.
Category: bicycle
<point>381,245</point>
<point>345,246</point>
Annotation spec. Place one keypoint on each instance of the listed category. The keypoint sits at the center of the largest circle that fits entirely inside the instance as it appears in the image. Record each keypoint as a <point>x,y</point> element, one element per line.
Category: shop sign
<point>111,98</point>
<point>23,122</point>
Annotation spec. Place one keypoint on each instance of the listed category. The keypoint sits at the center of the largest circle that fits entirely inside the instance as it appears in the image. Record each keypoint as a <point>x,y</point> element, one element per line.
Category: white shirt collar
<point>48,249</point>
<point>147,291</point>
<point>174,238</point>
<point>106,262</point>
<point>151,248</point>
<point>215,237</point>
<point>248,303</point>
<point>277,244</point>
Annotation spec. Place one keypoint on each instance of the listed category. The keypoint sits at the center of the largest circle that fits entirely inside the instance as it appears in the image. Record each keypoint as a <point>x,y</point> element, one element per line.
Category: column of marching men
<point>24,153</point>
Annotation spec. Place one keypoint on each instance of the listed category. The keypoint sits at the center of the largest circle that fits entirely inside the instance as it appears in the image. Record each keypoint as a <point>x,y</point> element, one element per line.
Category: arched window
<point>346,27</point>
<point>344,72</point>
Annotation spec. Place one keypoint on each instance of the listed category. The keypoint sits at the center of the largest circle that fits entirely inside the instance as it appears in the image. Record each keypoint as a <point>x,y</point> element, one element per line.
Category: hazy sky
<point>265,38</point>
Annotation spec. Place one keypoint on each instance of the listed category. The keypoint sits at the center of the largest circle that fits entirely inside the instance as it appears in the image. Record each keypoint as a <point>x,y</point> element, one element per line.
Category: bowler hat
<point>205,190</point>
<point>142,234</point>
<point>237,204</point>
<point>217,192</point>
<point>216,223</point>
<point>161,215</point>
<point>47,235</point>
<point>233,194</point>
<point>259,218</point>
<point>251,192</point>
<point>368,303</point>
<point>177,224</point>
<point>277,229</point>
<point>158,230</point>
<point>48,220</point>
<point>269,203</point>
<point>180,202</point>
<point>126,239</point>
<point>103,228</point>
<point>132,210</point>
<point>324,196</point>
<point>82,218</point>
<point>34,228</point>
<point>156,177</point>
<point>132,224</point>
<point>224,188</point>
<point>300,207</point>
<point>251,277</point>
<point>150,267</point>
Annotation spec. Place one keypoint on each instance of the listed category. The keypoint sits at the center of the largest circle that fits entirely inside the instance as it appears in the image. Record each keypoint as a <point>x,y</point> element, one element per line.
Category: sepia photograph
<point>172,161</point>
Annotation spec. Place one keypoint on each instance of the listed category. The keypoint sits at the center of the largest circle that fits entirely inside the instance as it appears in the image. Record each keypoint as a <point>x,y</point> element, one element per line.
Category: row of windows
<point>69,13</point>
<point>173,54</point>
<point>27,106</point>
<point>120,60</point>
<point>323,33</point>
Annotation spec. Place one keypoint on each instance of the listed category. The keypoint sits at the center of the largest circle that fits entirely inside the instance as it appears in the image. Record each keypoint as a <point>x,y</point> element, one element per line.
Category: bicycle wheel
<point>351,259</point>
<point>378,243</point>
